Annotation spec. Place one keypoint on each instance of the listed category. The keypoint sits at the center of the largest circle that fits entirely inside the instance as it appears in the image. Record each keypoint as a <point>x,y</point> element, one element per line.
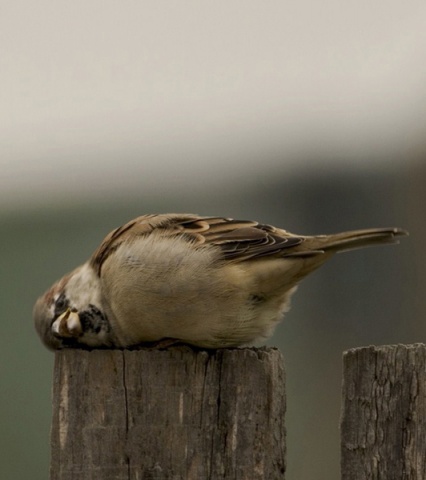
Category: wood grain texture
<point>383,422</point>
<point>168,414</point>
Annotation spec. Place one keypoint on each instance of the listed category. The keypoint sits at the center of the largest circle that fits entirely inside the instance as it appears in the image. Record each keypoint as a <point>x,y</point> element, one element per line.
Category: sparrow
<point>211,282</point>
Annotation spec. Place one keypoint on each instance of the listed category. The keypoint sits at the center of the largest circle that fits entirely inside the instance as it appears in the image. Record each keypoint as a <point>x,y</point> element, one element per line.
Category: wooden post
<point>383,423</point>
<point>176,414</point>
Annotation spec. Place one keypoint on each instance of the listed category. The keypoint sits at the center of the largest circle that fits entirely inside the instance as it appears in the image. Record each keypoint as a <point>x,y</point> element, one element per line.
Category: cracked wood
<point>383,423</point>
<point>174,414</point>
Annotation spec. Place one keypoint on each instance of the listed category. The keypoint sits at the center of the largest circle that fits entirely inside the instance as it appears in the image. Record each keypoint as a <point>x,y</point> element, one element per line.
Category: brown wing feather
<point>238,240</point>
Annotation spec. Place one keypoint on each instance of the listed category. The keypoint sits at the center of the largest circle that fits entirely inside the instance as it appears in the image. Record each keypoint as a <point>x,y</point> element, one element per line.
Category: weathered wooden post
<point>383,424</point>
<point>174,414</point>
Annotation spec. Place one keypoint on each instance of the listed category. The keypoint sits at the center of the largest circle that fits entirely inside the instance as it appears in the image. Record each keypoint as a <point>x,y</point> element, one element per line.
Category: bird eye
<point>61,302</point>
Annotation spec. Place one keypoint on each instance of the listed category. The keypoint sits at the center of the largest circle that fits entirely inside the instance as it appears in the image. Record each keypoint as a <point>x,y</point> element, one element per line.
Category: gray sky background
<point>100,94</point>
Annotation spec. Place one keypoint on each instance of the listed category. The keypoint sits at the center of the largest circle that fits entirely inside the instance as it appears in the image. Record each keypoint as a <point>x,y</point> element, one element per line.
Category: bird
<point>209,282</point>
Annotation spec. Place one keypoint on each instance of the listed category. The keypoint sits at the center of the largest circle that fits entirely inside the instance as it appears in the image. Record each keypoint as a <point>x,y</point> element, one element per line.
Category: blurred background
<point>309,115</point>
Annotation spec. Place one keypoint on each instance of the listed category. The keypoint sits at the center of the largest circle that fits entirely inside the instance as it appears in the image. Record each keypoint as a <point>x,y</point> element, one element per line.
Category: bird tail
<point>341,242</point>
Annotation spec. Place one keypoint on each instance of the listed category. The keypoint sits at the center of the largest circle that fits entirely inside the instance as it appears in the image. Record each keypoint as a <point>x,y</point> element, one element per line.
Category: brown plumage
<point>208,281</point>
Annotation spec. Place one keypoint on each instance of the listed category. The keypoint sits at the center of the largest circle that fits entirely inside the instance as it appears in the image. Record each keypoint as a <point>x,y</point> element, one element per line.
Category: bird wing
<point>238,240</point>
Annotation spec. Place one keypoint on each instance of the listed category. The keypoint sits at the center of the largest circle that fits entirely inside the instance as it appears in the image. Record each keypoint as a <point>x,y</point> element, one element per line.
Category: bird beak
<point>67,325</point>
